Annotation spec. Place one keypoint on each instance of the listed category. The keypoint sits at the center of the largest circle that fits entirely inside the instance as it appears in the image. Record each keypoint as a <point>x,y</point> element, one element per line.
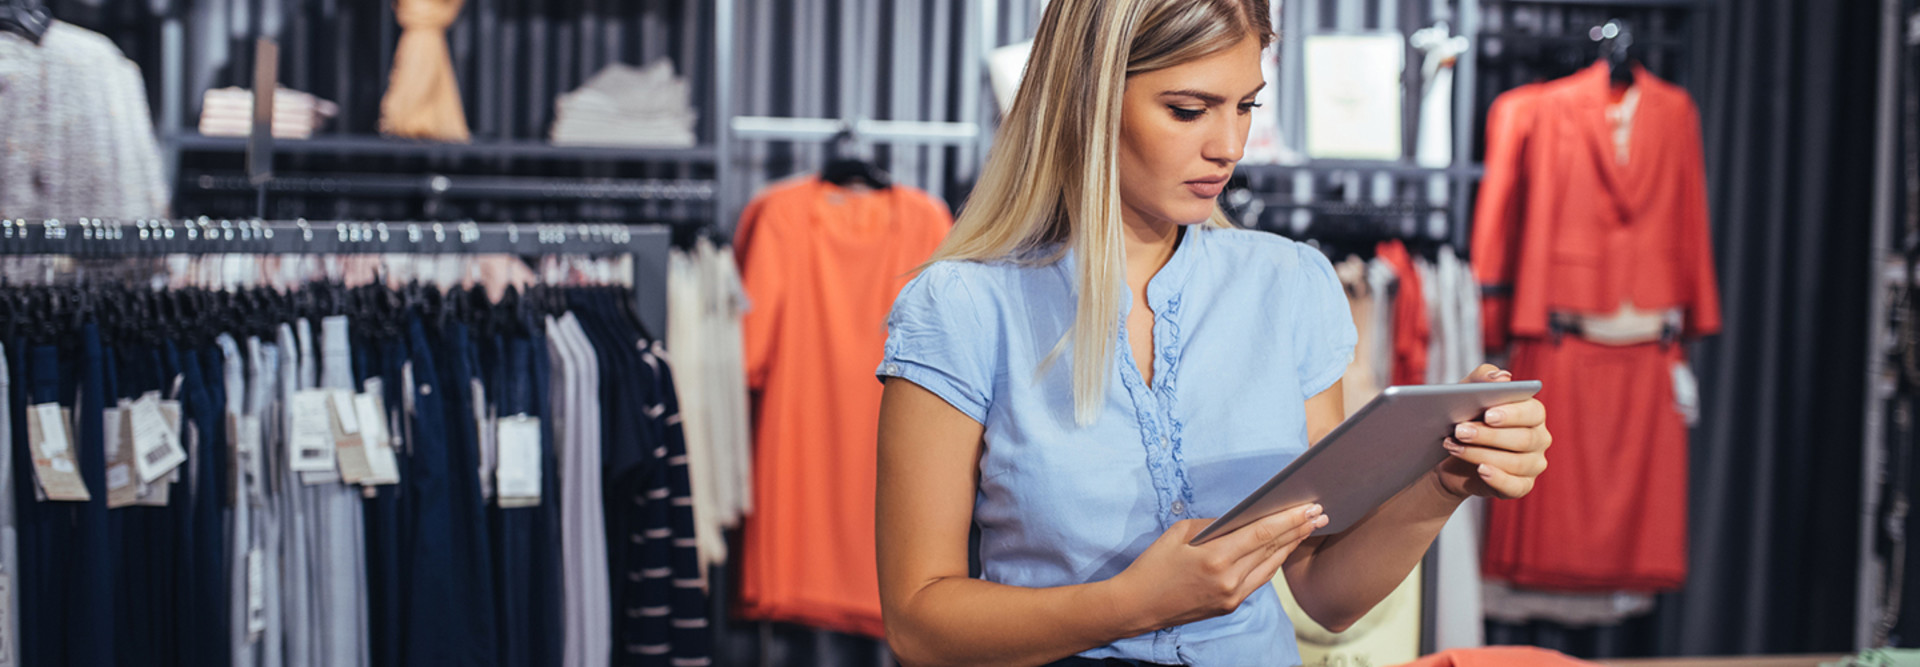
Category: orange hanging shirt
<point>821,265</point>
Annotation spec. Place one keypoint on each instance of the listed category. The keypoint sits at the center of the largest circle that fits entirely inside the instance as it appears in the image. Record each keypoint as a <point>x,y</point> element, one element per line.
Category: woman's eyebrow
<point>1207,97</point>
<point>1203,96</point>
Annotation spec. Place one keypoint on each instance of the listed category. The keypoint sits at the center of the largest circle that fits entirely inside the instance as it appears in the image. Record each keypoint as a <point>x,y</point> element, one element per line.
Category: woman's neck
<point>1148,246</point>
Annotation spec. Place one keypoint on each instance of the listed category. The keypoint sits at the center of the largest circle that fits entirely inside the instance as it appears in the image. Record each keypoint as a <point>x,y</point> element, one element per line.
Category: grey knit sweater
<point>77,134</point>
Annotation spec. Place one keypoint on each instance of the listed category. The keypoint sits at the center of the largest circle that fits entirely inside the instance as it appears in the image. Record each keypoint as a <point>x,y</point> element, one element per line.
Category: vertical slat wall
<point>909,60</point>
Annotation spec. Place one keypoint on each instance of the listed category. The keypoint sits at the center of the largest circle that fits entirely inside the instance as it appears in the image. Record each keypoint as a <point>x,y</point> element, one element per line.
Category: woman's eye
<point>1184,114</point>
<point>1249,107</point>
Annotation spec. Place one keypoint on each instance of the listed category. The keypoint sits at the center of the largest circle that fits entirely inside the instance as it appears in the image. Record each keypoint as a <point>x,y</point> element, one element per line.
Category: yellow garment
<point>423,100</point>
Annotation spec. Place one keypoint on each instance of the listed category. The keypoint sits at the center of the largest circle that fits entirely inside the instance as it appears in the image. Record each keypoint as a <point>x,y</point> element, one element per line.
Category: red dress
<point>1565,227</point>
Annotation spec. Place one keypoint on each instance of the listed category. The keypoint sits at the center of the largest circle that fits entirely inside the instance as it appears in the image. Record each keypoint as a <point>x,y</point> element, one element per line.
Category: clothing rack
<point>1400,198</point>
<point>95,237</point>
<point>467,186</point>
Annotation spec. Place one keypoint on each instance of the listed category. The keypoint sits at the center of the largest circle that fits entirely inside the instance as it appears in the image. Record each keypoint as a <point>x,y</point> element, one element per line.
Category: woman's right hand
<point>1173,583</point>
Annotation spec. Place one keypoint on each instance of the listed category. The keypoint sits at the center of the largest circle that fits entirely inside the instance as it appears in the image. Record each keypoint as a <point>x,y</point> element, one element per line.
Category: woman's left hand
<point>1501,455</point>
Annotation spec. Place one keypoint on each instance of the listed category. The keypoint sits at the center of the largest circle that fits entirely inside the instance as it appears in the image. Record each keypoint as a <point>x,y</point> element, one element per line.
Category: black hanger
<point>27,18</point>
<point>1616,46</point>
<point>9,312</point>
<point>843,168</point>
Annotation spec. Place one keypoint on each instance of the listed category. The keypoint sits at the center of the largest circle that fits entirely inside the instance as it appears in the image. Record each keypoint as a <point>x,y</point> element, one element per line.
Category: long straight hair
<point>1051,179</point>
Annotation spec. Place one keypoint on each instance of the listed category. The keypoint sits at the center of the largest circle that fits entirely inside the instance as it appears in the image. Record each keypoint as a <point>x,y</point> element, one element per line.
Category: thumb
<point>1489,373</point>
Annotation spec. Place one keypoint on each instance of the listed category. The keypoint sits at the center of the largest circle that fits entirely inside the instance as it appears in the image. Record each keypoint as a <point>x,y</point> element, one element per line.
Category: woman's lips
<point>1207,187</point>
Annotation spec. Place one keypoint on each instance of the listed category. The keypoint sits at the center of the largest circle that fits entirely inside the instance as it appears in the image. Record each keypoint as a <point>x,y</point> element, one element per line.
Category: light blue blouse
<point>1248,326</point>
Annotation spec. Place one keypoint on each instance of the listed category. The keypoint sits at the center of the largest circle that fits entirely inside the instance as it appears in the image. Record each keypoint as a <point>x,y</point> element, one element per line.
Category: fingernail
<point>1495,415</point>
<point>1485,470</point>
<point>1502,375</point>
<point>1313,511</point>
<point>1452,445</point>
<point>1322,521</point>
<point>1465,431</point>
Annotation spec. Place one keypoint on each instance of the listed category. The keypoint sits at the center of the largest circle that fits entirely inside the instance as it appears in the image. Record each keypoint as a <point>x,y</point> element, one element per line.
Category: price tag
<point>350,450</point>
<point>156,444</point>
<point>256,594</point>
<point>6,618</point>
<point>483,426</point>
<point>156,494</point>
<point>344,413</point>
<point>251,458</point>
<point>517,479</point>
<point>53,433</point>
<point>310,438</point>
<point>53,463</point>
<point>122,489</point>
<point>383,466</point>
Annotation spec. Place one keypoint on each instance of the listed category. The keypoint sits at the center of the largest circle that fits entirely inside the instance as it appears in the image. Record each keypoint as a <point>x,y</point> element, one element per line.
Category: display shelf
<point>352,145</point>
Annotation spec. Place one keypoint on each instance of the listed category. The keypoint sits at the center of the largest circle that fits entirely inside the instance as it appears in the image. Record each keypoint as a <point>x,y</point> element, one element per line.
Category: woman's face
<point>1181,131</point>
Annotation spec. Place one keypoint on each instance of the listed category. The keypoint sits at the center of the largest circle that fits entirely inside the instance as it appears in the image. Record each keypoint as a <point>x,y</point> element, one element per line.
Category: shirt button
<point>893,369</point>
<point>1179,507</point>
<point>1165,442</point>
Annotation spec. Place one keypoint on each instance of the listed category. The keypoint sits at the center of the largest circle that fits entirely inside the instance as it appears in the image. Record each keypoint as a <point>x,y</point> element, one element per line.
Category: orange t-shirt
<point>821,265</point>
<point>1500,656</point>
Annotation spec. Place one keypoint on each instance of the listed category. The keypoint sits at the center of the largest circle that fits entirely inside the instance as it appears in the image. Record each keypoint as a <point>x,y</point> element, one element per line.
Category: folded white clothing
<point>296,115</point>
<point>624,105</point>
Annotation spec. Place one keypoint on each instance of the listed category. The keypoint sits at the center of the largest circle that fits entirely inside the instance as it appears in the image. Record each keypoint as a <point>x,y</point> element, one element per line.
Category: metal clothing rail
<point>97,237</point>
<point>469,187</point>
<point>861,130</point>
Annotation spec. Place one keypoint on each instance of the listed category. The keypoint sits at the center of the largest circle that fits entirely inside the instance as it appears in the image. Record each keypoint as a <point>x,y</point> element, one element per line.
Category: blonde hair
<point>1052,177</point>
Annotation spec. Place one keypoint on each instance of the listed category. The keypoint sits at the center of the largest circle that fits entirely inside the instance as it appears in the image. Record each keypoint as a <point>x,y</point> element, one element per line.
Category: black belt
<point>1563,324</point>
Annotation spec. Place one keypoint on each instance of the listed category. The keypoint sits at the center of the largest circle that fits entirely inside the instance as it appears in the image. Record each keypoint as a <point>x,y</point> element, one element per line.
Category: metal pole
<point>1869,582</point>
<point>977,38</point>
<point>723,167</point>
<point>1466,79</point>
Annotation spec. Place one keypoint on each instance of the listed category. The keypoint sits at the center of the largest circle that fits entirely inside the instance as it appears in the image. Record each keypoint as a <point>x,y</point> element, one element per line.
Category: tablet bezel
<point>1373,455</point>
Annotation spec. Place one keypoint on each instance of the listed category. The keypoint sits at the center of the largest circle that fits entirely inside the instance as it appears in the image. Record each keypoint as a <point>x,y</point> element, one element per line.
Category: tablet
<point>1379,451</point>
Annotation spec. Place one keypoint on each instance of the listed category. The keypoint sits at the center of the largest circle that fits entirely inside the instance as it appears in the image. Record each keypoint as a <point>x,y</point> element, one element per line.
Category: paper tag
<point>351,452</point>
<point>156,445</point>
<point>403,438</point>
<point>1686,392</point>
<point>383,467</point>
<point>156,494</point>
<point>53,441</point>
<point>343,411</point>
<point>256,594</point>
<point>244,457</point>
<point>122,489</point>
<point>517,479</point>
<point>483,426</point>
<point>252,458</point>
<point>235,466</point>
<point>53,464</point>
<point>310,438</point>
<point>321,477</point>
<point>6,618</point>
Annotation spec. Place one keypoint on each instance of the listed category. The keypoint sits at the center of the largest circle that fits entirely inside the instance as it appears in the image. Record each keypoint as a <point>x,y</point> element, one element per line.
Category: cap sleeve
<point>1323,332</point>
<point>937,337</point>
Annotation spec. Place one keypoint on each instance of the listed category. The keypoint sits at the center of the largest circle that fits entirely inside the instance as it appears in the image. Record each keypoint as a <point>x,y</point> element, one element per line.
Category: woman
<point>1009,405</point>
